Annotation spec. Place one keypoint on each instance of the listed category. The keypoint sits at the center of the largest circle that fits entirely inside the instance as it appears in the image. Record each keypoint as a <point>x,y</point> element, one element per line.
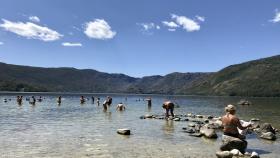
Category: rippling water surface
<point>74,130</point>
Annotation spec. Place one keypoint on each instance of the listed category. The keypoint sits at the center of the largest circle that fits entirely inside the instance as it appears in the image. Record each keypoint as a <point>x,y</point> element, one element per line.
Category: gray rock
<point>189,130</point>
<point>236,152</point>
<point>268,135</point>
<point>266,127</point>
<point>229,143</point>
<point>123,131</point>
<point>206,121</point>
<point>224,154</point>
<point>255,155</point>
<point>148,116</point>
<point>255,119</point>
<point>177,119</point>
<point>208,132</point>
<point>191,125</point>
<point>199,116</point>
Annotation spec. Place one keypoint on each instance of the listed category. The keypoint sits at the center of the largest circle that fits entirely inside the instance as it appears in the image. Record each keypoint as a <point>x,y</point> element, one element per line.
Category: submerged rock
<point>224,154</point>
<point>196,134</point>
<point>176,119</point>
<point>123,131</point>
<point>229,143</point>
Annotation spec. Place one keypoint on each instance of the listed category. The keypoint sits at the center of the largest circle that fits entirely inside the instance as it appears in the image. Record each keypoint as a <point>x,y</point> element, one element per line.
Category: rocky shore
<point>207,126</point>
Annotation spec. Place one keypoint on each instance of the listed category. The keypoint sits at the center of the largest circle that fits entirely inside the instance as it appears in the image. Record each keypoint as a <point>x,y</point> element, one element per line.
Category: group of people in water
<point>230,122</point>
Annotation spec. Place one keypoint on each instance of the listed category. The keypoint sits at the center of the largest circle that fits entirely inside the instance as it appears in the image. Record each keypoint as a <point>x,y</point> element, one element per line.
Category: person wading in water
<point>168,106</point>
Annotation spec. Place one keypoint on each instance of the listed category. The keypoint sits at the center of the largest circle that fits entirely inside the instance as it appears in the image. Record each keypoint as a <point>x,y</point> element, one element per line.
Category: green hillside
<point>254,78</point>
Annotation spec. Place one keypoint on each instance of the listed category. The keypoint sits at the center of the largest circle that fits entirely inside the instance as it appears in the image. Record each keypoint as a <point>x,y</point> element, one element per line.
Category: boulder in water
<point>224,154</point>
<point>266,127</point>
<point>196,134</point>
<point>188,130</point>
<point>255,119</point>
<point>176,119</point>
<point>148,116</point>
<point>255,155</point>
<point>208,132</point>
<point>123,131</point>
<point>268,135</point>
<point>229,143</point>
<point>191,125</point>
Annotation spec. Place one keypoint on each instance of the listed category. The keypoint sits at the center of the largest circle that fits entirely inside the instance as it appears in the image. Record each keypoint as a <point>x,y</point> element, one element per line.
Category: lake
<point>74,130</point>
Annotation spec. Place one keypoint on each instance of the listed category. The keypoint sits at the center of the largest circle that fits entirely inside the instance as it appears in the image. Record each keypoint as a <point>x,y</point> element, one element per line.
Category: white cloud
<point>99,29</point>
<point>31,30</point>
<point>148,26</point>
<point>1,43</point>
<point>188,24</point>
<point>34,18</point>
<point>200,18</point>
<point>68,44</point>
<point>276,18</point>
<point>170,24</point>
<point>171,29</point>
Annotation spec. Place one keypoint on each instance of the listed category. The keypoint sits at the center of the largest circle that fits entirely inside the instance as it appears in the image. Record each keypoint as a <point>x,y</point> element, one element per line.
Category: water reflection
<point>168,126</point>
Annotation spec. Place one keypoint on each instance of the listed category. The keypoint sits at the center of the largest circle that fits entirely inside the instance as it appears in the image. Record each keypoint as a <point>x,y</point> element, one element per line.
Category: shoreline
<point>130,94</point>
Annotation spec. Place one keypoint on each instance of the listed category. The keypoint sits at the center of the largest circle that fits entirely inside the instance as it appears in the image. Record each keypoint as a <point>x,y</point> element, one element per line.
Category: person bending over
<point>168,106</point>
<point>120,107</point>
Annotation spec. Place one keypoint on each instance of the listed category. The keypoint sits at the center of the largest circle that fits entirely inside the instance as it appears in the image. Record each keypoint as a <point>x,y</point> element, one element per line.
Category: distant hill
<point>259,78</point>
<point>254,78</point>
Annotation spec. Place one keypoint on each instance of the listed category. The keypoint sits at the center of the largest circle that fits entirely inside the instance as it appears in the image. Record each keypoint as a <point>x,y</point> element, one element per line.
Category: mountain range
<point>259,78</point>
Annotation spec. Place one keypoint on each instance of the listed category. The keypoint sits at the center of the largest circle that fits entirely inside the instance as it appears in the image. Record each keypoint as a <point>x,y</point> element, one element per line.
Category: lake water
<point>74,130</point>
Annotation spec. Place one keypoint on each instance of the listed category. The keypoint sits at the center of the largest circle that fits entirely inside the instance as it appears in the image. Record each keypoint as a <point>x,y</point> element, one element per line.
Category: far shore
<point>129,94</point>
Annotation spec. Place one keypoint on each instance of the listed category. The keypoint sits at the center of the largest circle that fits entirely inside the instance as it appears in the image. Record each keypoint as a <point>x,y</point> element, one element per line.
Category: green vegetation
<point>254,78</point>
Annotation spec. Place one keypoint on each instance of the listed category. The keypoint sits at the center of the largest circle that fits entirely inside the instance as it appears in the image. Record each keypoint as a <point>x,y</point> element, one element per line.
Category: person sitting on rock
<point>120,107</point>
<point>230,123</point>
<point>168,106</point>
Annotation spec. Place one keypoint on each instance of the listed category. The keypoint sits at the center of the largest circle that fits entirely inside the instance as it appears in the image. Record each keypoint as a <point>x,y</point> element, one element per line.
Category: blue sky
<point>138,38</point>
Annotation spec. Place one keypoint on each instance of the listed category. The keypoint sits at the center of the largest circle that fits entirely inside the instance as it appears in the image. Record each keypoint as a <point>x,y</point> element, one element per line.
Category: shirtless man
<point>109,101</point>
<point>168,106</point>
<point>82,99</point>
<point>231,123</point>
<point>120,107</point>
